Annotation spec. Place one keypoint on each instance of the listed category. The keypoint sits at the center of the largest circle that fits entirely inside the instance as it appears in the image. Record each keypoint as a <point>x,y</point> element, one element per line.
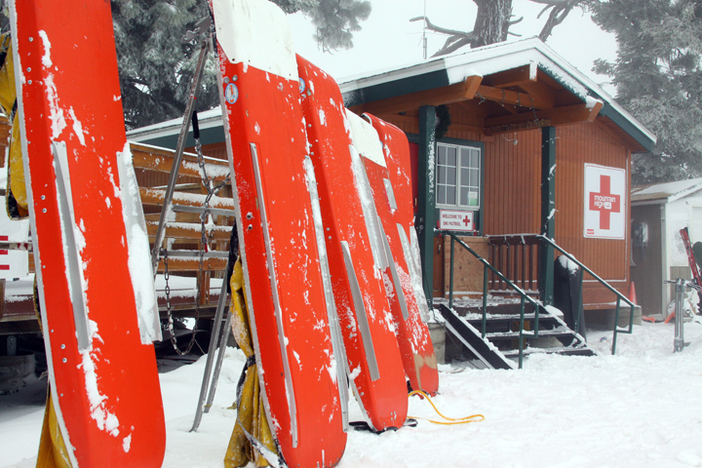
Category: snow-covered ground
<point>640,408</point>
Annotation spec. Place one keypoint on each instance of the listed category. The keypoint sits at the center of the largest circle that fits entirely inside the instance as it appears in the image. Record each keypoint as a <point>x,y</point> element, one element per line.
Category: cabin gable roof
<point>524,84</point>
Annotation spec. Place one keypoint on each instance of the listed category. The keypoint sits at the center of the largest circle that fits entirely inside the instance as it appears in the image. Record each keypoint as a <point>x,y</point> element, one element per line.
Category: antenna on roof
<point>424,31</point>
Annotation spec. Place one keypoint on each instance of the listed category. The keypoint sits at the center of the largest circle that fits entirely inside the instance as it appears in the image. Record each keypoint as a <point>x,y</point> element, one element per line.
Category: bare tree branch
<point>454,47</point>
<point>455,41</point>
<point>551,3</point>
<point>431,26</point>
<point>559,11</point>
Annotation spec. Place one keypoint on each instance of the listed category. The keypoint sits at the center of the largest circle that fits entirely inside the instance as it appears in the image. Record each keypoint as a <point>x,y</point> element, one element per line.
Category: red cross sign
<point>605,202</point>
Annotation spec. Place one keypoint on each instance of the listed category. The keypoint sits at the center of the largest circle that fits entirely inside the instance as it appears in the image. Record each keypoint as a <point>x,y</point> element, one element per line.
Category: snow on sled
<point>281,255</point>
<point>356,252</point>
<point>389,176</point>
<point>96,291</point>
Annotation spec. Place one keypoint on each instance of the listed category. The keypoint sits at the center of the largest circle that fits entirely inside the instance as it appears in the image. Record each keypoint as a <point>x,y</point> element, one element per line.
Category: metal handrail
<point>524,296</point>
<point>620,296</point>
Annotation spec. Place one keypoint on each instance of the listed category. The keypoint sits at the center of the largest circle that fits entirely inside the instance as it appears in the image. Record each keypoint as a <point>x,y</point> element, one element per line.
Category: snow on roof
<point>206,119</point>
<point>665,192</point>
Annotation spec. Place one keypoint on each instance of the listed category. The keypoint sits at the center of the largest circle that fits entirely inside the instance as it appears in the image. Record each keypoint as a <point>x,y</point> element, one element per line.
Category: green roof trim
<point>625,124</point>
<point>411,84</point>
<point>207,136</point>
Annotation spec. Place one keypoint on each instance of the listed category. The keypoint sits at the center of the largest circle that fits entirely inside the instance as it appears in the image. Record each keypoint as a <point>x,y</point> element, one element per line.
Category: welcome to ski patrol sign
<point>605,202</point>
<point>452,220</point>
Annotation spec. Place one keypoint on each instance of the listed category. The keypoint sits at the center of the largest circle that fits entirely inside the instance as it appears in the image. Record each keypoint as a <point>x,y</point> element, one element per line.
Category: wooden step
<point>564,350</point>
<point>560,332</point>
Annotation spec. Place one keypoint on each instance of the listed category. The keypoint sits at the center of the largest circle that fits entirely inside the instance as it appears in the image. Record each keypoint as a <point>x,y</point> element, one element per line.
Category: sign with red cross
<point>13,263</point>
<point>454,220</point>
<point>605,202</point>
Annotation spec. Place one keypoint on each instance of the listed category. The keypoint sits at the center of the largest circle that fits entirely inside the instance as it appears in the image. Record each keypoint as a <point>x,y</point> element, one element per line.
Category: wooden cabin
<point>554,158</point>
<point>509,141</point>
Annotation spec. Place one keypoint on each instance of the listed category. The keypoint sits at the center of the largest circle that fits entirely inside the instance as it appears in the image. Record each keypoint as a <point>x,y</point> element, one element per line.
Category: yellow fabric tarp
<point>16,189</point>
<point>52,449</point>
<point>251,416</point>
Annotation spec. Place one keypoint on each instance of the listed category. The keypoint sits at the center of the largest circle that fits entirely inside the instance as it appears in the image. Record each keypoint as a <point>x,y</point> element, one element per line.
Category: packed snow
<point>639,408</point>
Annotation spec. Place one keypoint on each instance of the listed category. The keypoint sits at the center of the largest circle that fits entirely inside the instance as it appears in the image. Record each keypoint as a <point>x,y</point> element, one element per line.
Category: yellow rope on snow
<point>449,421</point>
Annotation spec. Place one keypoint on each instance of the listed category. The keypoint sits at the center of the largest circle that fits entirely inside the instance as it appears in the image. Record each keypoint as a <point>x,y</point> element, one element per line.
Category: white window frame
<point>461,173</point>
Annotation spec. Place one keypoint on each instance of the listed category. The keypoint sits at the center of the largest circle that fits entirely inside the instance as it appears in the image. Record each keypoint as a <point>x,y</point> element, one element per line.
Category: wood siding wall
<point>512,196</point>
<point>608,258</point>
<point>512,184</point>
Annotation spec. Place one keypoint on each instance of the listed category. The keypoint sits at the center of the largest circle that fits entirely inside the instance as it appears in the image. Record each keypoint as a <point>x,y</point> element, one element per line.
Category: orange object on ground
<point>632,293</point>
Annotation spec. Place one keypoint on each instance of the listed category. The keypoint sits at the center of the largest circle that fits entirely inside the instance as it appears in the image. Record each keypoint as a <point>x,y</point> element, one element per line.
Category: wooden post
<point>427,197</point>
<point>548,211</point>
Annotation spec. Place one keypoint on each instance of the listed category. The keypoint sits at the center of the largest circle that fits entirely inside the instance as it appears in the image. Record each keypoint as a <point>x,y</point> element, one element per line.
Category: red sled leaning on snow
<point>288,311</point>
<point>96,291</point>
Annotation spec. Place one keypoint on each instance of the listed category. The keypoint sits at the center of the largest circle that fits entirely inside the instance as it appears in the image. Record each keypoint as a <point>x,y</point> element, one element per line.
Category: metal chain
<point>204,243</point>
<point>206,215</point>
<point>169,312</point>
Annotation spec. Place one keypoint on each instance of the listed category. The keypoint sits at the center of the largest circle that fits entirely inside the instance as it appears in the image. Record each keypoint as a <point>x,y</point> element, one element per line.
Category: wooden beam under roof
<point>457,92</point>
<point>414,120</point>
<point>541,93</point>
<point>513,77</point>
<point>514,98</point>
<point>539,118</point>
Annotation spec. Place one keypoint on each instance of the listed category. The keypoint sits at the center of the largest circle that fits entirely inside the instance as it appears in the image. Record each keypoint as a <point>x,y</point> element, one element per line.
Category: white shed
<point>658,213</point>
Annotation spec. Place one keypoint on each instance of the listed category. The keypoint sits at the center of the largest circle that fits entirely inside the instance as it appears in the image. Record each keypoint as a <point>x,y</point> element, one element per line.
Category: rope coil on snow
<point>448,421</point>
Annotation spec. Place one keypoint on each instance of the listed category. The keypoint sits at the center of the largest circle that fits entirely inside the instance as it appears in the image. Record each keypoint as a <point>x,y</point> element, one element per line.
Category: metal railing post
<point>616,325</point>
<point>521,333</point>
<point>620,296</point>
<point>679,341</point>
<point>576,322</point>
<point>485,294</point>
<point>451,278</point>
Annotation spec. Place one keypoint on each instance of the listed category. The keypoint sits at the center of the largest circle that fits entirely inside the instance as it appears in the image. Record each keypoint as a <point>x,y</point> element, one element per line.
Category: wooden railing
<point>152,166</point>
<point>184,231</point>
<point>517,258</point>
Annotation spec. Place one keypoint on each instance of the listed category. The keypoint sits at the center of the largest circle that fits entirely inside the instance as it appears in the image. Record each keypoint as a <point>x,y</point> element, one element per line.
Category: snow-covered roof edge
<point>665,192</point>
<point>493,59</point>
<point>206,119</point>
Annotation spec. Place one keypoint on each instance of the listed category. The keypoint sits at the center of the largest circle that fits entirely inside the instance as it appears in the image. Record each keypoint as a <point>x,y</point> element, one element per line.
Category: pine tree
<point>658,76</point>
<point>156,68</point>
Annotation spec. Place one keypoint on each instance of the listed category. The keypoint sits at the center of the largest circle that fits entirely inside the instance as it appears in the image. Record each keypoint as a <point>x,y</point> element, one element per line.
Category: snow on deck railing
<point>620,296</point>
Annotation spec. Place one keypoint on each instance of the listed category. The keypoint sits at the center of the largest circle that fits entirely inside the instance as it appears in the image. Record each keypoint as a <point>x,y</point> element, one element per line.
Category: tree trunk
<point>492,21</point>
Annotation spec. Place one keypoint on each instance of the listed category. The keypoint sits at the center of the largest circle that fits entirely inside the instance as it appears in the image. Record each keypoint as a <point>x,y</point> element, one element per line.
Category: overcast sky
<point>388,39</point>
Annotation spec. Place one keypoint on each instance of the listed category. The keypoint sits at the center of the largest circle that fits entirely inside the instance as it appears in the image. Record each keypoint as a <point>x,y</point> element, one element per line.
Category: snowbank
<point>639,408</point>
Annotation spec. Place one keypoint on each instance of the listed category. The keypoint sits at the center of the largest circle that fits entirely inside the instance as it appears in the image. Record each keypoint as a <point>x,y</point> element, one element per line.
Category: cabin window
<point>458,176</point>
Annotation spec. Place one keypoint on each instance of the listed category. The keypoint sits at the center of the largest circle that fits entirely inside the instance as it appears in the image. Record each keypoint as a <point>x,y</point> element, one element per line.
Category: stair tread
<point>473,317</point>
<point>560,331</point>
<point>566,350</point>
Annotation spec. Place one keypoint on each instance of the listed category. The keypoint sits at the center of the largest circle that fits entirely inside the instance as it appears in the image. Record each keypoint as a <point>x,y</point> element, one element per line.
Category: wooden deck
<point>183,236</point>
